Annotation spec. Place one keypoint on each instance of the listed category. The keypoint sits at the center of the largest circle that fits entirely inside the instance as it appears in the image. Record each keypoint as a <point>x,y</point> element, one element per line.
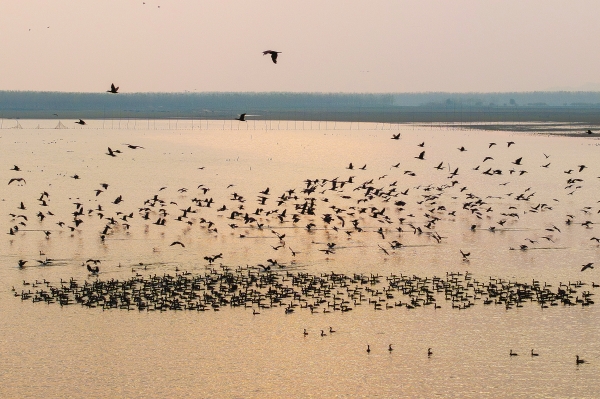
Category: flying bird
<point>421,155</point>
<point>177,243</point>
<point>113,89</point>
<point>17,179</point>
<point>242,118</point>
<point>587,266</point>
<point>273,55</point>
<point>81,122</point>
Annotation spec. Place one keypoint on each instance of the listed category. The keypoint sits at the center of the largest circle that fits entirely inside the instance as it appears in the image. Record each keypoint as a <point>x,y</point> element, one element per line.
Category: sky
<point>379,46</point>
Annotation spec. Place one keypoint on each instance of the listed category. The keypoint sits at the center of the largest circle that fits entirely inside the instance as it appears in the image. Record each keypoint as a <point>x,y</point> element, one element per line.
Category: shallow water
<point>74,351</point>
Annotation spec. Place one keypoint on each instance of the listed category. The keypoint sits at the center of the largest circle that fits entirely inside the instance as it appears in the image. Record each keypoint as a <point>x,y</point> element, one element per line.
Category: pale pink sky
<point>327,45</point>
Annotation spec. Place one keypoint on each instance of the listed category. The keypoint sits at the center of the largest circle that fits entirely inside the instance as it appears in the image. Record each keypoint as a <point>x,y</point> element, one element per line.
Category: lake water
<point>75,351</point>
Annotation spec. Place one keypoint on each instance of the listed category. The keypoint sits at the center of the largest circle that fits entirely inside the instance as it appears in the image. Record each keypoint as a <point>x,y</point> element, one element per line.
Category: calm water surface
<point>72,351</point>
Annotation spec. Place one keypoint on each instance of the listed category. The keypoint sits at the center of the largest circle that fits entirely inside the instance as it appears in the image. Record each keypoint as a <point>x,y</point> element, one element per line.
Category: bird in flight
<point>81,122</point>
<point>242,118</point>
<point>17,179</point>
<point>421,155</point>
<point>113,89</point>
<point>177,243</point>
<point>587,266</point>
<point>273,55</point>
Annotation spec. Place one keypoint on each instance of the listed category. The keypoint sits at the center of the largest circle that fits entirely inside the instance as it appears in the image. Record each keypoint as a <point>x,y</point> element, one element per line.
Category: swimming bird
<point>513,353</point>
<point>534,354</point>
<point>273,55</point>
<point>22,263</point>
<point>16,168</point>
<point>578,360</point>
<point>396,136</point>
<point>113,89</point>
<point>429,352</point>
<point>81,122</point>
<point>241,118</point>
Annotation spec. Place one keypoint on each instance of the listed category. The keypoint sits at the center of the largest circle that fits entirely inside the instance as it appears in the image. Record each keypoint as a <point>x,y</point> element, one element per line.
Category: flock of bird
<point>385,212</point>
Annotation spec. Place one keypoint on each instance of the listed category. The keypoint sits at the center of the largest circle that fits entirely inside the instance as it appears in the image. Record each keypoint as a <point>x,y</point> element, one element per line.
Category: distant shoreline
<point>558,112</point>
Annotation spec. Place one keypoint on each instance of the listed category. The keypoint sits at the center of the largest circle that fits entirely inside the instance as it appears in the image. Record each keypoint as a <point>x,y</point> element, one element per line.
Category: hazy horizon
<point>359,47</point>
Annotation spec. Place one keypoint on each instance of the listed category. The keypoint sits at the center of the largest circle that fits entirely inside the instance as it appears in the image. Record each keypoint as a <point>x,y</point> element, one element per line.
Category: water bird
<point>510,143</point>
<point>111,152</point>
<point>587,266</point>
<point>368,349</point>
<point>22,263</point>
<point>390,349</point>
<point>17,179</point>
<point>396,136</point>
<point>273,55</point>
<point>534,354</point>
<point>113,89</point>
<point>16,168</point>
<point>81,122</point>
<point>429,352</point>
<point>513,353</point>
<point>93,270</point>
<point>305,333</point>
<point>517,161</point>
<point>578,360</point>
<point>241,118</point>
<point>465,255</point>
<point>133,147</point>
<point>421,156</point>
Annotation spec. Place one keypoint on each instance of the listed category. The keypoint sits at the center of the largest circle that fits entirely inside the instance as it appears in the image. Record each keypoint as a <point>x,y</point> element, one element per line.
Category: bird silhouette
<point>113,89</point>
<point>587,266</point>
<point>421,156</point>
<point>17,179</point>
<point>177,243</point>
<point>396,136</point>
<point>81,122</point>
<point>273,55</point>
<point>242,118</point>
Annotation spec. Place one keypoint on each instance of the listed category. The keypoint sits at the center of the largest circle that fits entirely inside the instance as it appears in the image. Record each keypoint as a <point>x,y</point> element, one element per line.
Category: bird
<point>93,270</point>
<point>396,136</point>
<point>429,352</point>
<point>113,89</point>
<point>177,243</point>
<point>518,161</point>
<point>369,349</point>
<point>81,122</point>
<point>534,354</point>
<point>273,55</point>
<point>587,266</point>
<point>17,179</point>
<point>421,155</point>
<point>305,333</point>
<point>16,168</point>
<point>242,118</point>
<point>510,143</point>
<point>513,353</point>
<point>111,152</point>
<point>390,349</point>
<point>589,131</point>
<point>465,255</point>
<point>578,360</point>
<point>22,263</point>
<point>133,147</point>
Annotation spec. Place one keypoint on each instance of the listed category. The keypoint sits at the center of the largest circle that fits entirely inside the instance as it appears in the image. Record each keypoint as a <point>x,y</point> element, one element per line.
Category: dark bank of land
<point>550,111</point>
